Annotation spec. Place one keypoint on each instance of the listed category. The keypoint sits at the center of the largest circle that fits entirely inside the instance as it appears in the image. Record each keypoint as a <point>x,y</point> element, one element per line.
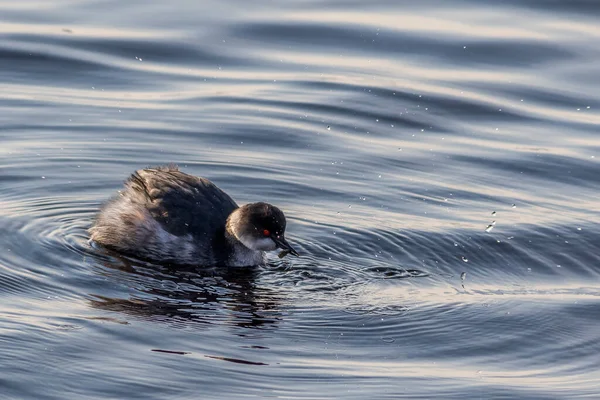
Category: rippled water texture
<point>392,133</point>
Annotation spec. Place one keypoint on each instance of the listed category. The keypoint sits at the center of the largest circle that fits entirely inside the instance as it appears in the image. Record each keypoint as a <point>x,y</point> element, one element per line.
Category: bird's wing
<point>183,204</point>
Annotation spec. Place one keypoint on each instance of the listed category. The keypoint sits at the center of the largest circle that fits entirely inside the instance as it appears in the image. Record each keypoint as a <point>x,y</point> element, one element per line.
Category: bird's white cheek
<point>262,244</point>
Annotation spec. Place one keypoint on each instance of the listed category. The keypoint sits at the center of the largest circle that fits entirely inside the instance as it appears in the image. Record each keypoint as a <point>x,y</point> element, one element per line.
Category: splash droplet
<point>465,259</point>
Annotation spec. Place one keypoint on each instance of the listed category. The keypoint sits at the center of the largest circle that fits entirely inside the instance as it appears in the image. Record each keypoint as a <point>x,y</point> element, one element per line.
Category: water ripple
<point>391,135</point>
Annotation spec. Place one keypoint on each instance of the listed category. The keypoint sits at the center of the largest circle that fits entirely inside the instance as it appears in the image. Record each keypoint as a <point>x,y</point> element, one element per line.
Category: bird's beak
<point>283,244</point>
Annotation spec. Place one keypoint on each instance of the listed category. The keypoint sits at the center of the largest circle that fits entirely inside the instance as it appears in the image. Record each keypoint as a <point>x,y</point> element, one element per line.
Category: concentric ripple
<point>437,162</point>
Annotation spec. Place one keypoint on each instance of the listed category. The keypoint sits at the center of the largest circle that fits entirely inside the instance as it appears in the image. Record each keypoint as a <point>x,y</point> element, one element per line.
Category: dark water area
<point>438,163</point>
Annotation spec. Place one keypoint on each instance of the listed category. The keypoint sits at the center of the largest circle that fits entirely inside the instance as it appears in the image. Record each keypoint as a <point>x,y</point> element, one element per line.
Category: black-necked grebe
<point>164,214</point>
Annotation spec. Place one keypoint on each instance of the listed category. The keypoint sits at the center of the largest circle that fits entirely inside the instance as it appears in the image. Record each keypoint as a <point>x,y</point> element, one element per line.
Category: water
<point>391,133</point>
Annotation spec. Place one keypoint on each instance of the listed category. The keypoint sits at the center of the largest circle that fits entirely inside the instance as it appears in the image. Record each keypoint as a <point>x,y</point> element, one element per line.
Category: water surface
<point>392,133</point>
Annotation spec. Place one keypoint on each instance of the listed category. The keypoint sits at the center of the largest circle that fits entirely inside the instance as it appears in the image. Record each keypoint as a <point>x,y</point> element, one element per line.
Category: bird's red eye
<point>266,232</point>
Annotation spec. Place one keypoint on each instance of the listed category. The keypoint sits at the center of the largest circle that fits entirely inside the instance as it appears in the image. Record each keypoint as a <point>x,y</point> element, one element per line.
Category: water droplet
<point>349,205</point>
<point>489,228</point>
<point>43,177</point>
<point>493,213</point>
<point>328,127</point>
<point>455,244</point>
<point>463,276</point>
<point>578,229</point>
<point>558,266</point>
<point>514,206</point>
<point>465,259</point>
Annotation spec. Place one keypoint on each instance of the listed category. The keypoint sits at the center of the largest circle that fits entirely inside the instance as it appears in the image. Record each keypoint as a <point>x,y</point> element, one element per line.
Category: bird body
<point>164,214</point>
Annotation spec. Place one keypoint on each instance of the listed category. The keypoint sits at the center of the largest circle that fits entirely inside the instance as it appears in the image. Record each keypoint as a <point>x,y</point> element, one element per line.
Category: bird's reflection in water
<point>186,296</point>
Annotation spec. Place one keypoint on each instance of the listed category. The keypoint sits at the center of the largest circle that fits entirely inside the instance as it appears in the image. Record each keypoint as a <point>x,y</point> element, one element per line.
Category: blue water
<point>391,133</point>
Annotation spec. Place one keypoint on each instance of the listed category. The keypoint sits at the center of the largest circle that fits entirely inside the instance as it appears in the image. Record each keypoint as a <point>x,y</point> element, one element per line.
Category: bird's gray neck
<point>240,254</point>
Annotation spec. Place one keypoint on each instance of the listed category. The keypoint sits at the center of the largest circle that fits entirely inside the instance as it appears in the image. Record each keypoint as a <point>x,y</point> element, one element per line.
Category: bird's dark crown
<point>263,216</point>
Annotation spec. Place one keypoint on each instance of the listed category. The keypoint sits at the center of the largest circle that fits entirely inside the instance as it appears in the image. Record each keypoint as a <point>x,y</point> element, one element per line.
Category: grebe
<point>166,215</point>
